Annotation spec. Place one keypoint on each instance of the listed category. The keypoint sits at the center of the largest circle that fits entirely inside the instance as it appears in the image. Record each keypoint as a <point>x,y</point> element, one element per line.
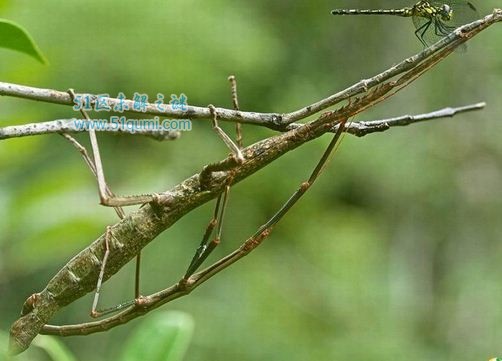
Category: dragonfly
<point>432,19</point>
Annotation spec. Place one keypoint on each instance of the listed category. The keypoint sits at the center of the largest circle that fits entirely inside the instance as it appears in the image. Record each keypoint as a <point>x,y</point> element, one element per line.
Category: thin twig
<point>77,126</point>
<point>360,129</point>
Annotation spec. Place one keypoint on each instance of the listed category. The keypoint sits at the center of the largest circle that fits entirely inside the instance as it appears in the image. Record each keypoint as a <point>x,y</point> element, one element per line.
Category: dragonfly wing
<point>464,11</point>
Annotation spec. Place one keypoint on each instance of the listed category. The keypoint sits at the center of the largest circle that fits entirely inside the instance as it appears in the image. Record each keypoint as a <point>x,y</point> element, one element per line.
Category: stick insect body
<point>126,238</point>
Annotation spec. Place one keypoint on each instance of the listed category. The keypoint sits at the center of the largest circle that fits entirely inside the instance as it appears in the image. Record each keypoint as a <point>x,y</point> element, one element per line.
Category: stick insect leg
<point>95,313</point>
<point>206,246</point>
<point>235,102</point>
<point>209,230</point>
<point>96,168</point>
<point>257,238</point>
<point>226,139</point>
<point>120,212</point>
<point>105,198</point>
<point>90,163</point>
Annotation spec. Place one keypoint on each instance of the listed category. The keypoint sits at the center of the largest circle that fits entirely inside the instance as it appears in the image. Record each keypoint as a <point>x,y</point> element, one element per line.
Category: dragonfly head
<point>446,12</point>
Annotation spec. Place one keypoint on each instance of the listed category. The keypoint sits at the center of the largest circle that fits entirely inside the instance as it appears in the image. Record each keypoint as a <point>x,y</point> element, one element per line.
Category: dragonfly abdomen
<point>397,12</point>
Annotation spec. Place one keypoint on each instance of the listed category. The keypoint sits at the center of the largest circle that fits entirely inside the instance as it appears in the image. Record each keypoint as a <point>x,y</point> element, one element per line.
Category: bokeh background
<point>395,253</point>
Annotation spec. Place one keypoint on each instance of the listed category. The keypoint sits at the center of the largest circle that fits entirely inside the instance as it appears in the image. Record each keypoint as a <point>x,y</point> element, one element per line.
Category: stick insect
<point>108,198</point>
<point>208,244</point>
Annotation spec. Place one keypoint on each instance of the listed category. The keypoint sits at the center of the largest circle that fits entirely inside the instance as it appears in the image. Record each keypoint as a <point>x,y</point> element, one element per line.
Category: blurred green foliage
<point>393,254</point>
<point>161,337</point>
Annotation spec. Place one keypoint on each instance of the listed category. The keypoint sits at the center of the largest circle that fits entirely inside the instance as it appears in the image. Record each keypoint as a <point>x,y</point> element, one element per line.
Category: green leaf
<point>14,37</point>
<point>162,337</point>
<point>54,348</point>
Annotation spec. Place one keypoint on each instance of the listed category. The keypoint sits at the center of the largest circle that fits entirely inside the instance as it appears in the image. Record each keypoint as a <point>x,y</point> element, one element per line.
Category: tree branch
<point>70,126</point>
<point>359,129</point>
<point>271,120</point>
